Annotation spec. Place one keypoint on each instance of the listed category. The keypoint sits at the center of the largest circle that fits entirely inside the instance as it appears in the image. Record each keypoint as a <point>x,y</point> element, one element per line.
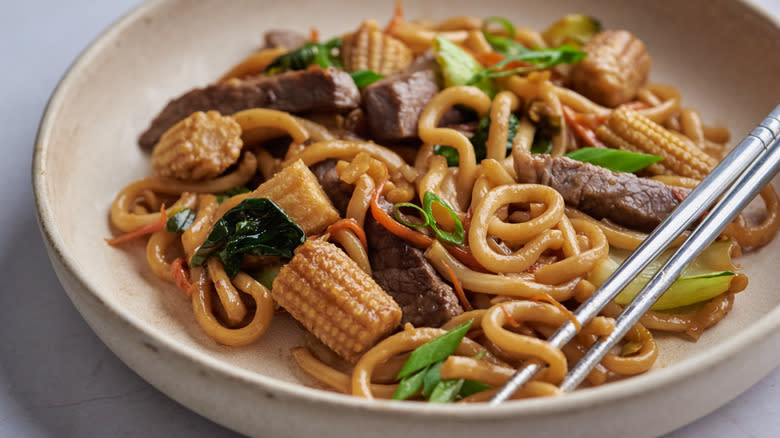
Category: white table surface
<point>57,379</point>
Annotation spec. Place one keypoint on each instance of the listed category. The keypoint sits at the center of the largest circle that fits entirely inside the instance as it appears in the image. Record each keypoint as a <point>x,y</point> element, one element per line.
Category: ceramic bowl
<point>716,52</point>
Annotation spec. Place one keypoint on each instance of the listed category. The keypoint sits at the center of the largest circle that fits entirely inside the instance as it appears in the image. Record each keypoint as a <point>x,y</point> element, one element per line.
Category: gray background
<point>56,377</point>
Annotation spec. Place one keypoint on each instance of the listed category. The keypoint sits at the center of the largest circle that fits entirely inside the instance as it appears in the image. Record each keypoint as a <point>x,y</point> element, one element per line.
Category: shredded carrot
<point>398,18</point>
<point>508,317</point>
<point>415,238</point>
<point>352,225</point>
<point>142,230</point>
<point>592,121</point>
<point>314,35</point>
<point>550,300</point>
<point>492,58</point>
<point>179,273</point>
<point>586,133</point>
<point>458,289</point>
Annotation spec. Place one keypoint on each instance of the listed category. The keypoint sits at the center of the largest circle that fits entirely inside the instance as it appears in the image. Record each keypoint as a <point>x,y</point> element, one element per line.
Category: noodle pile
<point>527,256</point>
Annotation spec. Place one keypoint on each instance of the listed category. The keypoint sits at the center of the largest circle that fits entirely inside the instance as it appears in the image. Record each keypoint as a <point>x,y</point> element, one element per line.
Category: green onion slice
<point>458,236</point>
<point>400,216</point>
<point>615,160</point>
<point>435,350</point>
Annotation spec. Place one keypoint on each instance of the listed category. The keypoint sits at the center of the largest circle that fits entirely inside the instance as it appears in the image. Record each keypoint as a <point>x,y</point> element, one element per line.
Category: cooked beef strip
<point>403,271</point>
<point>624,198</point>
<point>337,190</point>
<point>288,39</point>
<point>393,105</point>
<point>399,268</point>
<point>294,91</point>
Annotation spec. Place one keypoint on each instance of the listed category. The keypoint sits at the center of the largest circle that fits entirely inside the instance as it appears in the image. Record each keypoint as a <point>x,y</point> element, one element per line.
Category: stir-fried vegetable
<point>514,53</point>
<point>456,237</point>
<point>180,221</point>
<point>322,54</point>
<point>365,77</point>
<point>479,141</point>
<point>434,350</point>
<point>708,276</point>
<point>421,374</point>
<point>267,275</point>
<point>459,68</point>
<point>232,192</point>
<point>538,60</point>
<point>542,144</point>
<point>615,160</point>
<point>573,30</point>
<point>256,226</point>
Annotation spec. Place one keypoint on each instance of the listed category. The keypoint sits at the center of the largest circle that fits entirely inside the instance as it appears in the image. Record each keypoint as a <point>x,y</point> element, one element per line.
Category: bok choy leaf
<point>706,277</point>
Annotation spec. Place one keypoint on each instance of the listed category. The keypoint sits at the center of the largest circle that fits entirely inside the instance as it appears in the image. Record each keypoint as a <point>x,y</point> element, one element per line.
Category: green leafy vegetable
<point>432,378</point>
<point>410,385</point>
<point>446,391</point>
<point>448,152</point>
<point>365,77</point>
<point>232,192</point>
<point>479,141</point>
<point>539,59</point>
<point>573,30</point>
<point>706,277</point>
<point>614,159</point>
<point>471,387</point>
<point>541,145</point>
<point>256,226</point>
<point>321,54</point>
<point>421,371</point>
<point>180,221</point>
<point>435,350</point>
<point>460,68</point>
<point>267,275</point>
<point>458,235</point>
<point>480,138</point>
<point>502,44</point>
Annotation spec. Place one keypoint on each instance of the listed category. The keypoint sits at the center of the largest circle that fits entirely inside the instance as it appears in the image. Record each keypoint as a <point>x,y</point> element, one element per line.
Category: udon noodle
<point>526,256</point>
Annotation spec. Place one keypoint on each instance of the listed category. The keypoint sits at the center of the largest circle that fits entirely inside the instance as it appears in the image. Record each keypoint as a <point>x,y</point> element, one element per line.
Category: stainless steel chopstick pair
<point>736,181</point>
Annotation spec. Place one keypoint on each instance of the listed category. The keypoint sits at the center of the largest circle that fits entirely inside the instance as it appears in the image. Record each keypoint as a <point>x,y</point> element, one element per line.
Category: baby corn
<point>334,299</point>
<point>628,130</point>
<point>297,191</point>
<point>371,49</point>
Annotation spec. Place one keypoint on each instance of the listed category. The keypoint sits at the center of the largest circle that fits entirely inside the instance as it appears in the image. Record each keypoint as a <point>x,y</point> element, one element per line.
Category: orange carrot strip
<point>492,58</point>
<point>550,300</point>
<point>142,230</point>
<point>511,321</point>
<point>179,273</point>
<point>458,289</point>
<point>314,35</point>
<point>417,239</point>
<point>398,18</point>
<point>352,225</point>
<point>587,134</point>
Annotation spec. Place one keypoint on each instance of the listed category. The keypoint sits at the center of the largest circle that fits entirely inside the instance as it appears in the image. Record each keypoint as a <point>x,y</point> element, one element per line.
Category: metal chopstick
<point>697,202</point>
<point>745,189</point>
